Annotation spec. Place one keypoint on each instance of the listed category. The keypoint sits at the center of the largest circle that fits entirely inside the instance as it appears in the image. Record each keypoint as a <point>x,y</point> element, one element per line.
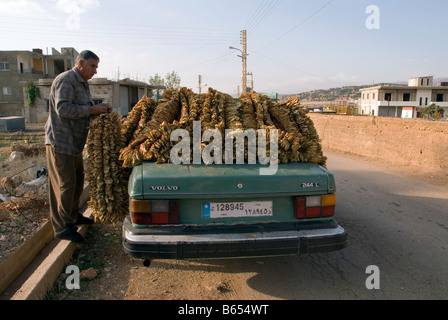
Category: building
<point>18,67</point>
<point>122,95</point>
<point>340,106</point>
<point>403,101</point>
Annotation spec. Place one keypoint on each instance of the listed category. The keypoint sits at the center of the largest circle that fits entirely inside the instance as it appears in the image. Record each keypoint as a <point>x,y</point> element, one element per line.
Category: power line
<point>109,26</point>
<point>209,62</point>
<point>267,12</point>
<point>298,25</point>
<point>139,33</point>
<point>262,12</point>
<point>114,37</point>
<point>292,67</point>
<point>44,28</point>
<point>255,14</point>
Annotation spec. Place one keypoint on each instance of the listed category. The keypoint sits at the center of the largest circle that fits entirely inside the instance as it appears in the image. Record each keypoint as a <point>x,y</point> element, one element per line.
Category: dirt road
<point>394,222</point>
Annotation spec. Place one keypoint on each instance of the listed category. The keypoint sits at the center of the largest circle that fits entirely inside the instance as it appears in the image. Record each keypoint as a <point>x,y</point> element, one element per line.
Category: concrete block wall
<point>420,143</point>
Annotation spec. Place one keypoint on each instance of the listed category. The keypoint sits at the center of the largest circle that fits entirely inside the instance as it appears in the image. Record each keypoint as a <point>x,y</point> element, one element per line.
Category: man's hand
<point>100,109</point>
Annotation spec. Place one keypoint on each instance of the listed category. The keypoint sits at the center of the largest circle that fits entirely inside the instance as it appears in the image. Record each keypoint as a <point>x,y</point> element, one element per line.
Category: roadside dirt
<point>26,207</point>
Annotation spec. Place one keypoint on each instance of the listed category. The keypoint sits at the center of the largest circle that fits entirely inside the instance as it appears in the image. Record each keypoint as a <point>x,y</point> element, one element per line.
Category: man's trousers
<point>65,184</point>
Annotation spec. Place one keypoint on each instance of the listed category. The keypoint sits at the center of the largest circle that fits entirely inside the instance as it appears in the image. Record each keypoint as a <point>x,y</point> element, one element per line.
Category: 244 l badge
<point>310,185</point>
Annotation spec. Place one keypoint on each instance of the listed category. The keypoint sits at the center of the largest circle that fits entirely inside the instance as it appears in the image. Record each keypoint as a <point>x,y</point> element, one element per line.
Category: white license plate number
<point>216,210</point>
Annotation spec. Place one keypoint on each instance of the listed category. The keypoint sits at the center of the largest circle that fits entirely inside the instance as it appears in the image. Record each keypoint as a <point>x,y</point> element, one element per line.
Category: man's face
<point>87,69</point>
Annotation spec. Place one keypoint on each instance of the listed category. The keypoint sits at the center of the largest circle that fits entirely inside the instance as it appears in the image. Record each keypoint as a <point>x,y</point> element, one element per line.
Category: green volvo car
<point>228,211</point>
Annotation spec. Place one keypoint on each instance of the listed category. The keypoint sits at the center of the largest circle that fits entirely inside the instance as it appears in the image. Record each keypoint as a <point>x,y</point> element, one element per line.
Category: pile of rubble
<point>23,197</point>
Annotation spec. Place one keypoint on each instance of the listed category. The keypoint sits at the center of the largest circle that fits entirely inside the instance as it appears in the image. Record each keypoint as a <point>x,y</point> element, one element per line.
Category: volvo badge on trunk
<point>164,188</point>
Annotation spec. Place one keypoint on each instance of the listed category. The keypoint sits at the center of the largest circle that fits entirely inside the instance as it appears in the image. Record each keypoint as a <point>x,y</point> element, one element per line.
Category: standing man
<point>65,137</point>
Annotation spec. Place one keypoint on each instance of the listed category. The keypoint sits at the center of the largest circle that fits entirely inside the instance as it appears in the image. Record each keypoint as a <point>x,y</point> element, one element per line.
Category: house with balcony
<point>18,67</point>
<point>403,101</point>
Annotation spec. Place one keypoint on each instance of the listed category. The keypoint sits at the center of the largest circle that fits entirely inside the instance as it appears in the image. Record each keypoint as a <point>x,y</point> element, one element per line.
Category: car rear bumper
<point>194,242</point>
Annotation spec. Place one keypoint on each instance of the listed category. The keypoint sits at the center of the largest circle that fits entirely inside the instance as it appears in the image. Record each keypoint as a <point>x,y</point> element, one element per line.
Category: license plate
<point>216,210</point>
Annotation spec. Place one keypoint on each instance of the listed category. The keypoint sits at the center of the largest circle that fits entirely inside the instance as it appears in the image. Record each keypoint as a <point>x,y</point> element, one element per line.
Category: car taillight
<point>314,206</point>
<point>147,212</point>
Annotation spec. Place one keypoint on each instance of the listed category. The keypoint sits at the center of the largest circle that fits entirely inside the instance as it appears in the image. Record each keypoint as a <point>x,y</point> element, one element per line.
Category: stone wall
<point>419,143</point>
<point>39,112</point>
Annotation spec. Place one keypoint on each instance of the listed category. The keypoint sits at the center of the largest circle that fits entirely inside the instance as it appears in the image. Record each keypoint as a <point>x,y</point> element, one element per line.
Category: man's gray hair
<point>86,55</point>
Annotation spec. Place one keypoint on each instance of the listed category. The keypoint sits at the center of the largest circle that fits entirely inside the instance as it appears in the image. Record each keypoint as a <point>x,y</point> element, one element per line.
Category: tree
<point>157,80</point>
<point>433,112</point>
<point>31,92</point>
<point>172,80</point>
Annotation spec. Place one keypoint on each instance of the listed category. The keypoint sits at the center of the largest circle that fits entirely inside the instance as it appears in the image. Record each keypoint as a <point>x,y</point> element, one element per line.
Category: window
<point>97,101</point>
<point>7,91</point>
<point>388,97</point>
<point>439,97</point>
<point>4,66</point>
<point>421,101</point>
<point>426,101</point>
<point>406,97</point>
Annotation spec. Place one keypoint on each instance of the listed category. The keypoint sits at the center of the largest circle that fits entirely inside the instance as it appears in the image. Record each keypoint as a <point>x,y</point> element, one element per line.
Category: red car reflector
<point>141,218</point>
<point>313,212</point>
<point>328,211</point>
<point>160,218</point>
<point>300,207</point>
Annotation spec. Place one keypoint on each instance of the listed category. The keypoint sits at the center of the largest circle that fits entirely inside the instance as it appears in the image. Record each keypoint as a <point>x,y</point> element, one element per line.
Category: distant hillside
<point>348,92</point>
<point>332,94</point>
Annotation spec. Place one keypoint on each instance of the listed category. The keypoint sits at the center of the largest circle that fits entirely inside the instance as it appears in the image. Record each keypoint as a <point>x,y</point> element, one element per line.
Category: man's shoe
<point>84,220</point>
<point>70,234</point>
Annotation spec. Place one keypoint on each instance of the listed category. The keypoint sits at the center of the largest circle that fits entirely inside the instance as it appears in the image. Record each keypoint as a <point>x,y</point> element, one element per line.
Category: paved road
<point>397,223</point>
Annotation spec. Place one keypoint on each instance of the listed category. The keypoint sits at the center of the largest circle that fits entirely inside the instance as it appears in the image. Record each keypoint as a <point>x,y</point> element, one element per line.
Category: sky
<point>294,46</point>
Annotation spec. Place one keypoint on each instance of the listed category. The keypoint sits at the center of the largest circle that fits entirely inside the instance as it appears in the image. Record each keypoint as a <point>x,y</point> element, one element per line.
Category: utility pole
<point>251,81</point>
<point>200,84</point>
<point>244,44</point>
<point>243,56</point>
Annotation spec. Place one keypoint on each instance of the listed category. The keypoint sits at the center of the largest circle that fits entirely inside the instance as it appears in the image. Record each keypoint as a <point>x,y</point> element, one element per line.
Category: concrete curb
<point>24,255</point>
<point>43,277</point>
